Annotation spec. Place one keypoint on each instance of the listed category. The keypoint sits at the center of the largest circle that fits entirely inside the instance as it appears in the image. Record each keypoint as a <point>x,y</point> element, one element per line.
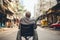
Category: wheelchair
<point>27,31</point>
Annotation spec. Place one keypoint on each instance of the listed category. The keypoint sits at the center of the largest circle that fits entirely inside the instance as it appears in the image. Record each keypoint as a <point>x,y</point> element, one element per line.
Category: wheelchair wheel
<point>18,36</point>
<point>35,37</point>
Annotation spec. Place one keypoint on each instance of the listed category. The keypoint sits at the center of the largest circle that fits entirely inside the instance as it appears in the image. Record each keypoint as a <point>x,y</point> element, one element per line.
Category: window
<point>10,0</point>
<point>5,3</point>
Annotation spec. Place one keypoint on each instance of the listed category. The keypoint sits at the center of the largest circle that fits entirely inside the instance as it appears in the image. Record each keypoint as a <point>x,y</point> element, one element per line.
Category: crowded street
<point>43,34</point>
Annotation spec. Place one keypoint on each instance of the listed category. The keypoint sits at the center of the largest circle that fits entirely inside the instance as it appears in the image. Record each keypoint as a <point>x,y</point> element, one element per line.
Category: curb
<point>2,29</point>
<point>5,29</point>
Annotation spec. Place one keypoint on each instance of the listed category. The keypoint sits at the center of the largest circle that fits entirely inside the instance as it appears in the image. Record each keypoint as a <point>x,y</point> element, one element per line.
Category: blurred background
<point>46,11</point>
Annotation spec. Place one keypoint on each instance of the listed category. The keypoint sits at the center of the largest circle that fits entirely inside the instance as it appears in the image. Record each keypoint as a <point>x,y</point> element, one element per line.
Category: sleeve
<point>35,25</point>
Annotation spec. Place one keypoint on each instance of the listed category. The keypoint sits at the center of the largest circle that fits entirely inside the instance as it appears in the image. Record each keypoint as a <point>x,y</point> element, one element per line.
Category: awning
<point>54,10</point>
<point>2,9</point>
<point>11,9</point>
<point>42,16</point>
<point>8,12</point>
<point>56,7</point>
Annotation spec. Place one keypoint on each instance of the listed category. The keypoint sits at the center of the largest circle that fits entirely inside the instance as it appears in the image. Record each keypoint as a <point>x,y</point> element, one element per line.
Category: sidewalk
<point>3,29</point>
<point>7,29</point>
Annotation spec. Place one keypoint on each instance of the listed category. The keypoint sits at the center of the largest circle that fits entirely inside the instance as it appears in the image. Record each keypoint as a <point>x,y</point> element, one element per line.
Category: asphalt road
<point>43,34</point>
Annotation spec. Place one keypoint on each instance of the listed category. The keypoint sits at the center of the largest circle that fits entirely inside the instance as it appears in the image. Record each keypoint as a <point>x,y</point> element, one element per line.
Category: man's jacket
<point>27,21</point>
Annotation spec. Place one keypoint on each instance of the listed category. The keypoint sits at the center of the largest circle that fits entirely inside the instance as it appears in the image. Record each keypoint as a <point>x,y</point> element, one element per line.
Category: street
<point>43,34</point>
<point>45,13</point>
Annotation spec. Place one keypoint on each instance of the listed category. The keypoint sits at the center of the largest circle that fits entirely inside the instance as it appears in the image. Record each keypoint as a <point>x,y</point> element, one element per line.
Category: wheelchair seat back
<point>27,30</point>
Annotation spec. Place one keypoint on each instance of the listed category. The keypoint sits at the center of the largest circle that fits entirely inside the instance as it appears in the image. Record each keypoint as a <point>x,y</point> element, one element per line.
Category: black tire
<point>18,36</point>
<point>35,37</point>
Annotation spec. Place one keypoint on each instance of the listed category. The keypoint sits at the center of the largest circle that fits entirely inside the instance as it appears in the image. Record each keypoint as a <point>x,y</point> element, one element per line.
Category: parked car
<point>55,25</point>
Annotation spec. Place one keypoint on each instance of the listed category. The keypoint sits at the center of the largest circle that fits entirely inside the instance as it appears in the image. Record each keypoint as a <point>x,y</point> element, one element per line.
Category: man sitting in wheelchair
<point>27,27</point>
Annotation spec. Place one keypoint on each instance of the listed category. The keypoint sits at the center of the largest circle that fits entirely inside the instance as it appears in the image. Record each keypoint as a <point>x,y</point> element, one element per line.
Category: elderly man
<point>27,21</point>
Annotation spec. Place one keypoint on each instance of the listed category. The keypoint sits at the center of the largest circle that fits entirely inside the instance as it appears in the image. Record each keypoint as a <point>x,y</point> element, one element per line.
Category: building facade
<point>9,9</point>
<point>43,6</point>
